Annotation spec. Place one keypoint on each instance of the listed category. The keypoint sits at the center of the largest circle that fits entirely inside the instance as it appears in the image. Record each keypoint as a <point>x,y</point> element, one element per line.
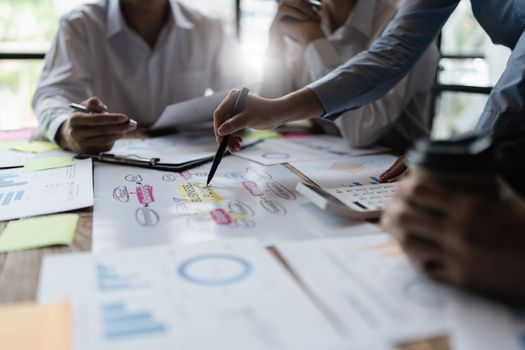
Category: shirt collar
<point>181,20</point>
<point>116,22</point>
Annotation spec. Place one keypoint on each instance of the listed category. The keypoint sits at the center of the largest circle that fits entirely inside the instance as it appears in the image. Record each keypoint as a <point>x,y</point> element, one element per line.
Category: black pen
<point>237,108</point>
<point>81,108</point>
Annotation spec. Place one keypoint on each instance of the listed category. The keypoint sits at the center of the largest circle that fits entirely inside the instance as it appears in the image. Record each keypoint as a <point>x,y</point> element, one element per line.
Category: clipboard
<point>154,163</point>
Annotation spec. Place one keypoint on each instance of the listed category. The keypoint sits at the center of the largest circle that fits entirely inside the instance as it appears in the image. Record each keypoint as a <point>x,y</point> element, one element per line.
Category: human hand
<point>93,132</point>
<point>263,114</point>
<point>460,238</point>
<point>298,20</point>
<point>396,172</point>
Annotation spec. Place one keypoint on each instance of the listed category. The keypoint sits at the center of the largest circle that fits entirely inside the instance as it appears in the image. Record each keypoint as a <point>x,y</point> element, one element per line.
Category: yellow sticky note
<point>38,232</point>
<point>199,193</point>
<point>33,326</point>
<point>11,143</point>
<point>35,147</point>
<point>44,163</point>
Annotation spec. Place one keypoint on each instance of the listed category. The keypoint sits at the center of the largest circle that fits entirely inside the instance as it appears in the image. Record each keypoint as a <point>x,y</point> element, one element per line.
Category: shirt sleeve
<point>65,78</point>
<point>504,112</point>
<point>364,126</point>
<point>372,73</point>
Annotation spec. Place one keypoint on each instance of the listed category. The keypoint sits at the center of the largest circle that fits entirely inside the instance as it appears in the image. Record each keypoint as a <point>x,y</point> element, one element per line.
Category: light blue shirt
<point>371,74</point>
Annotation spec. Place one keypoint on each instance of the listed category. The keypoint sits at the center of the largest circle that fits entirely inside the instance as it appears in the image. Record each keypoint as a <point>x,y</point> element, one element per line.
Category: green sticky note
<point>38,232</point>
<point>260,134</point>
<point>44,163</point>
<point>35,147</point>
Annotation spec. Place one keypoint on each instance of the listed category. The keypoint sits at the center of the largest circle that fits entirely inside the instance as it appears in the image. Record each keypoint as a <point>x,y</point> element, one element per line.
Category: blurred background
<point>470,65</point>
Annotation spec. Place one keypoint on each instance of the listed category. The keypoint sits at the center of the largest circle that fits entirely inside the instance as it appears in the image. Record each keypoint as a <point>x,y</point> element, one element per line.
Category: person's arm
<point>67,78</point>
<point>372,73</point>
<point>363,79</point>
<point>364,126</point>
<point>504,112</point>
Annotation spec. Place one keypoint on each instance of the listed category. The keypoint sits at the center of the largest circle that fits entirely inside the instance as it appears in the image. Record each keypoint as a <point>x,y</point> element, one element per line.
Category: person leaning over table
<point>137,57</point>
<point>306,43</point>
<point>372,73</point>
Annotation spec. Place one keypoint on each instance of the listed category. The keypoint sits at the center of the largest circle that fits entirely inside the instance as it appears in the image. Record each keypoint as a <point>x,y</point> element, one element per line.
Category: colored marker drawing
<point>252,187</point>
<point>280,190</point>
<point>133,178</point>
<point>214,270</point>
<point>121,194</point>
<point>147,217</point>
<point>145,194</point>
<point>199,193</point>
<point>221,217</point>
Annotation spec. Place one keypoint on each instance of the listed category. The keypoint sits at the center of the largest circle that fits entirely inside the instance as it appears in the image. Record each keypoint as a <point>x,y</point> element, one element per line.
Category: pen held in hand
<point>83,109</point>
<point>237,108</point>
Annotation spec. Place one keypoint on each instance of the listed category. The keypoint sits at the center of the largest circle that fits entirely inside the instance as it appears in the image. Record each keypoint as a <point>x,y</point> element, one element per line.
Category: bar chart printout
<point>119,322</point>
<point>219,295</point>
<point>109,278</point>
<point>25,194</point>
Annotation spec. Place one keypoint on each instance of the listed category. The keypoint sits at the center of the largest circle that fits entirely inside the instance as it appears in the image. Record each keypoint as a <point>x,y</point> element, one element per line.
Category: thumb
<point>95,105</point>
<point>234,124</point>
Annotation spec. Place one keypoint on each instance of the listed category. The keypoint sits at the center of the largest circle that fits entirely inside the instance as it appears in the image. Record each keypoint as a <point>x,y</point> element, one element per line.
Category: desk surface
<point>19,274</point>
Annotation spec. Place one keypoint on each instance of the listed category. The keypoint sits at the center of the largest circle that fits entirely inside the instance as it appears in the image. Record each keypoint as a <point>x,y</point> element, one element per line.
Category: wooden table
<point>19,274</point>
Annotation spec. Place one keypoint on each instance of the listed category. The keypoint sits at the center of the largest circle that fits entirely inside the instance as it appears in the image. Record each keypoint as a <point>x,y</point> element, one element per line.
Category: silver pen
<point>81,108</point>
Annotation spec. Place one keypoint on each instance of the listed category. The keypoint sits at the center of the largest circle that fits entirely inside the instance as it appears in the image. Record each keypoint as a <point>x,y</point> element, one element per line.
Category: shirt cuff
<point>53,127</point>
<point>327,89</point>
<point>320,57</point>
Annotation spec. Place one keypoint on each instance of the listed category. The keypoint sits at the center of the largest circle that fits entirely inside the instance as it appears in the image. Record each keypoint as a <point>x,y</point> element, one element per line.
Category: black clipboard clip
<point>153,163</point>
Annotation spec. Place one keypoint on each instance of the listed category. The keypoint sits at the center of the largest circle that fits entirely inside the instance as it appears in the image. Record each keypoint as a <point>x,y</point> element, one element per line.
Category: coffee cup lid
<point>466,154</point>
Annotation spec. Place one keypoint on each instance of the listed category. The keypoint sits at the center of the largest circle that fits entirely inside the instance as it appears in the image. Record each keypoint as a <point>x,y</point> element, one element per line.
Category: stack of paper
<point>219,296</point>
<point>301,149</point>
<point>140,207</point>
<point>47,191</point>
<point>369,288</point>
<point>345,170</point>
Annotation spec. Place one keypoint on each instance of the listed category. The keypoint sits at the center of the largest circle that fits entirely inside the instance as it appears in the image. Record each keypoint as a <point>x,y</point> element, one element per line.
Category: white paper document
<point>137,207</point>
<point>173,149</point>
<point>197,110</point>
<point>483,325</point>
<point>221,296</point>
<point>47,191</point>
<point>346,170</point>
<point>301,149</point>
<point>12,159</point>
<point>368,288</point>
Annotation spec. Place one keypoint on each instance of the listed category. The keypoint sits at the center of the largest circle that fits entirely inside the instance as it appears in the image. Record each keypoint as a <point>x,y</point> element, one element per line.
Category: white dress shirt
<point>95,53</point>
<point>395,120</point>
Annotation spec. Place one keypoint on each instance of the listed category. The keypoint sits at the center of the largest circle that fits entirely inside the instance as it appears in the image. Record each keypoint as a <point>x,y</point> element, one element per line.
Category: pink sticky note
<point>20,134</point>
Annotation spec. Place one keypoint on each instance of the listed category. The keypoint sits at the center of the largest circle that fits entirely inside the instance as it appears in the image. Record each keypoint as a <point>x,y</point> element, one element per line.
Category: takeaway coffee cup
<point>465,164</point>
